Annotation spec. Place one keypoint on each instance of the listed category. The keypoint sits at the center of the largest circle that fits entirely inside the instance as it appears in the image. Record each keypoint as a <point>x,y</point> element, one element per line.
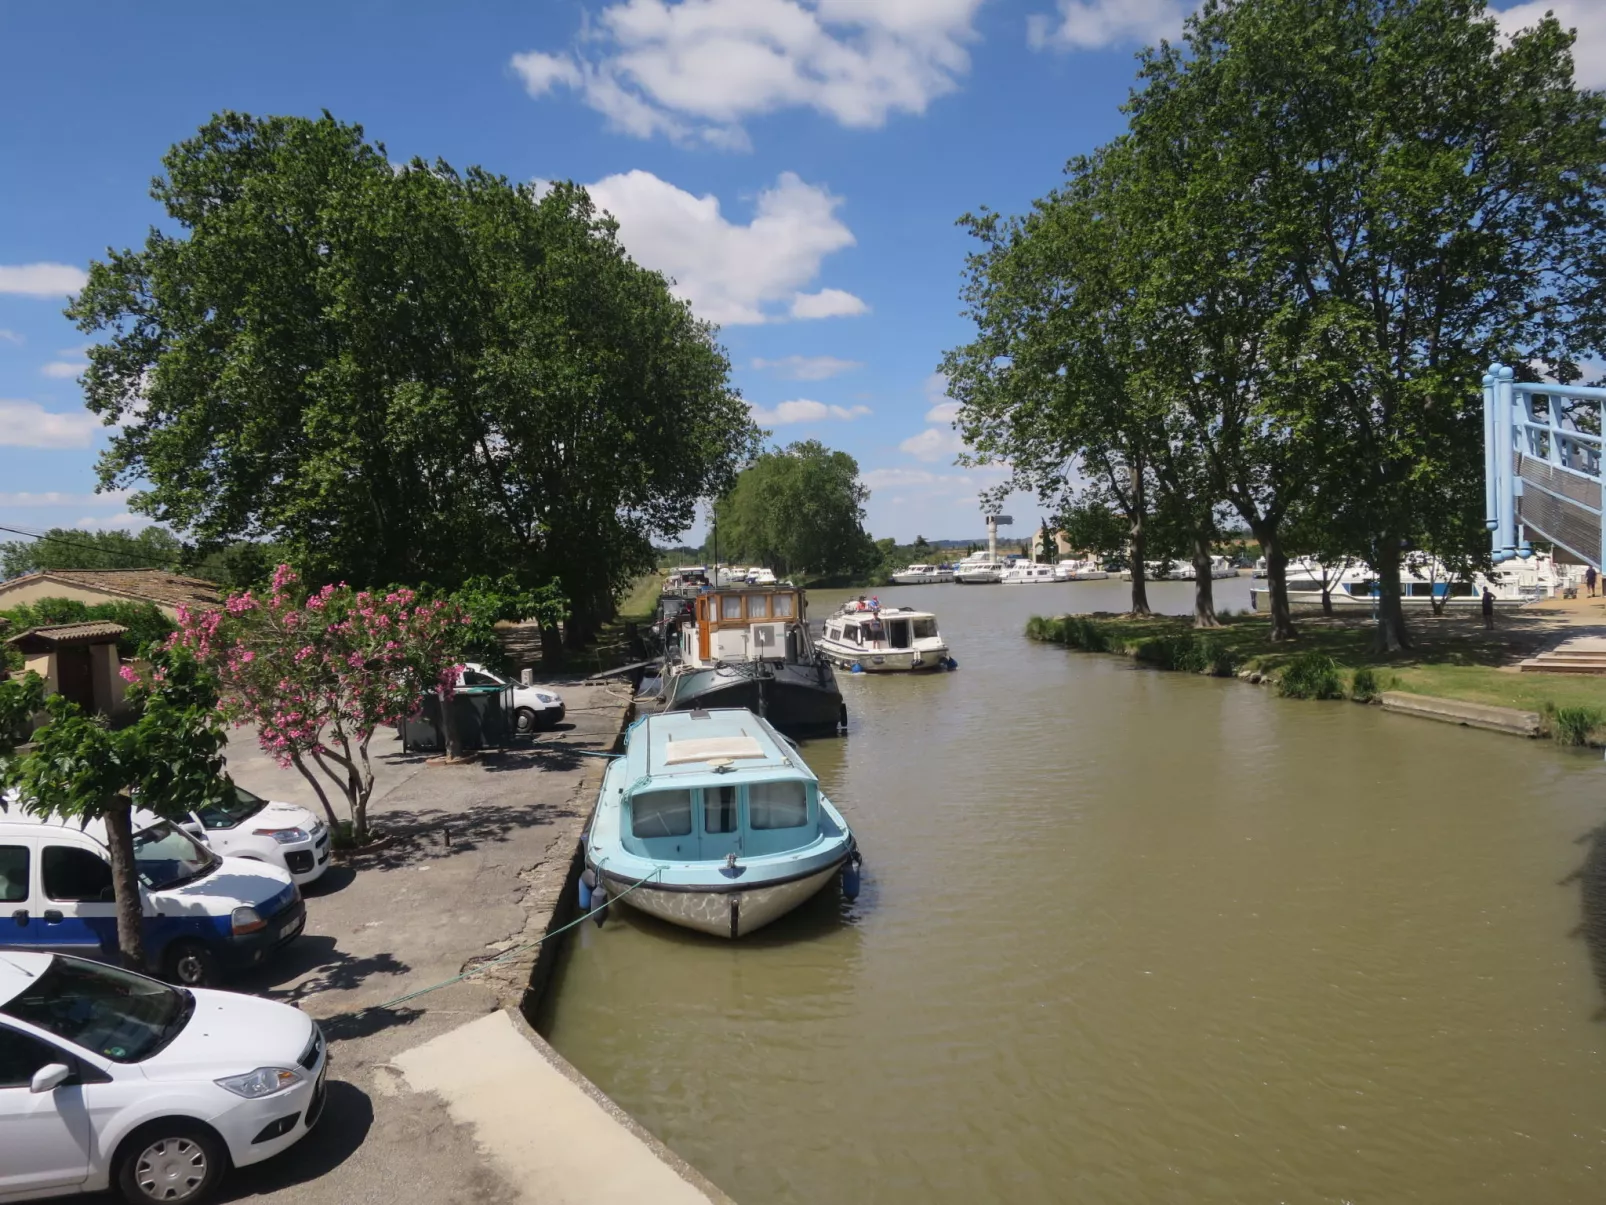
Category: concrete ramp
<point>548,1129</point>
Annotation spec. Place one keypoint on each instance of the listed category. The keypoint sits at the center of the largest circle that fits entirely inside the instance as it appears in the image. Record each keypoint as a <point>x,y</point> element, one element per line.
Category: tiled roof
<point>145,585</point>
<point>36,639</point>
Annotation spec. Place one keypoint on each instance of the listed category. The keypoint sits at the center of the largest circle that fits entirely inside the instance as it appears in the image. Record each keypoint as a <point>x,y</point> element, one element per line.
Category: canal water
<point>1129,936</point>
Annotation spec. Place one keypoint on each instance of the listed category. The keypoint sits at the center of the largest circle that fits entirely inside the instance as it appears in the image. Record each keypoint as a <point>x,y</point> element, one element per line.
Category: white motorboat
<point>1080,571</point>
<point>1027,573</point>
<point>978,572</point>
<point>923,575</point>
<point>1220,566</point>
<point>888,640</point>
<point>1424,580</point>
<point>1164,571</point>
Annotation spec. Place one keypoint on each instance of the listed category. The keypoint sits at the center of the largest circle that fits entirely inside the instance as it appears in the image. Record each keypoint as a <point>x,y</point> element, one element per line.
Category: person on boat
<point>874,627</point>
<point>1488,607</point>
<point>1589,580</point>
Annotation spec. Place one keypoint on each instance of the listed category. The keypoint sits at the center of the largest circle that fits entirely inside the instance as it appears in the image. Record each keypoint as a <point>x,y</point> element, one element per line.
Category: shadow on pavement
<point>327,966</point>
<point>419,833</point>
<point>365,1023</point>
<point>347,1116</point>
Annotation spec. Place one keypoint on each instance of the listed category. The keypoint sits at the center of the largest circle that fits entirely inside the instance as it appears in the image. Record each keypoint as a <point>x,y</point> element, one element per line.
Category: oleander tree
<point>165,751</point>
<point>318,672</point>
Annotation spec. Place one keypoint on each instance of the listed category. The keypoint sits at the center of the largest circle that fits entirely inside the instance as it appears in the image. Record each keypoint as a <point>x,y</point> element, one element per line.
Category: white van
<point>204,915</point>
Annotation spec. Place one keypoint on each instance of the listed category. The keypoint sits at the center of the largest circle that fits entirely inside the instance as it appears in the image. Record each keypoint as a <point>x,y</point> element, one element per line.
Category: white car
<point>283,834</point>
<point>533,706</point>
<point>112,1080</point>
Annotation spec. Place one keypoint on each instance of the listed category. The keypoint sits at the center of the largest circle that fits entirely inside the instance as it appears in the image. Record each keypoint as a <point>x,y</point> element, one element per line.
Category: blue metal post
<point>1489,514</point>
<point>1506,536</point>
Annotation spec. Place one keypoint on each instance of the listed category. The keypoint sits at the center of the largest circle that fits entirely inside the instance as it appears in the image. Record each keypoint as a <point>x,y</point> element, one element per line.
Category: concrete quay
<point>1457,711</point>
<point>450,1097</point>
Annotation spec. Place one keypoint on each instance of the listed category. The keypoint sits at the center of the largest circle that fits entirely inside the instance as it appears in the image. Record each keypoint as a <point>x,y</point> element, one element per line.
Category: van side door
<point>74,893</point>
<point>17,923</point>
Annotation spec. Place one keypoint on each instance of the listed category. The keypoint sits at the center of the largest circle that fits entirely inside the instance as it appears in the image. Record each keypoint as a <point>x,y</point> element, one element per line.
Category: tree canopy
<point>402,375</point>
<point>798,510</point>
<point>71,548</point>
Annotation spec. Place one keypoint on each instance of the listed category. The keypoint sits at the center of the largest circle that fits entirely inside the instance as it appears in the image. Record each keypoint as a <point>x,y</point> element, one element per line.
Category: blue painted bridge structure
<point>1542,466</point>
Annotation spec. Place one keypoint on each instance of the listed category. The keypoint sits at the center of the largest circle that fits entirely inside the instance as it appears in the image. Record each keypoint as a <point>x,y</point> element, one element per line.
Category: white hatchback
<point>249,826</point>
<point>112,1080</point>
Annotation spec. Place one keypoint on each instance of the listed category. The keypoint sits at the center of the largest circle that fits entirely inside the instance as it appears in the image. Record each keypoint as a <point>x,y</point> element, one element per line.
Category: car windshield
<point>117,1014</point>
<point>242,805</point>
<point>165,856</point>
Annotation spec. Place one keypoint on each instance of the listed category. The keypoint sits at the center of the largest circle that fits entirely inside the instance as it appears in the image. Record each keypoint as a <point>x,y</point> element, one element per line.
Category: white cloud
<point>125,522</point>
<point>943,412</point>
<point>41,280</point>
<point>936,391</point>
<point>925,481</point>
<point>807,368</point>
<point>805,411</point>
<point>1587,17</point>
<point>542,72</point>
<point>10,337</point>
<point>1098,24</point>
<point>828,303</point>
<point>732,274</point>
<point>933,444</point>
<point>57,498</point>
<point>63,369</point>
<point>694,70</point>
<point>30,425</point>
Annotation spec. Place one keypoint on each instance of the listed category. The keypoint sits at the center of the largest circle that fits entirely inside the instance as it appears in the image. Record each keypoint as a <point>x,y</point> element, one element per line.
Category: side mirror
<point>50,1077</point>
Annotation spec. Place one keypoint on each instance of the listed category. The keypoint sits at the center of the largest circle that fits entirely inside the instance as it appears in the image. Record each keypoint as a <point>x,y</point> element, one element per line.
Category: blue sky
<point>797,165</point>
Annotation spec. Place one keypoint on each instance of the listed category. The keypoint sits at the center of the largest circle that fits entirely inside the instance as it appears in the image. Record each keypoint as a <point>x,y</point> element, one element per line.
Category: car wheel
<point>524,719</point>
<point>170,1161</point>
<point>192,964</point>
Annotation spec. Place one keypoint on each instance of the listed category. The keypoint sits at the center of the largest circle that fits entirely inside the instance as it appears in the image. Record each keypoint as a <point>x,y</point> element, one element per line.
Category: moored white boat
<point>1027,573</point>
<point>1424,581</point>
<point>923,575</point>
<point>1080,571</point>
<point>711,820</point>
<point>982,572</point>
<point>884,640</point>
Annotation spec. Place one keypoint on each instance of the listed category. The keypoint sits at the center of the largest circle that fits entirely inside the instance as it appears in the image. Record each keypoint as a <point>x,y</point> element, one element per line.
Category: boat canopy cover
<point>708,749</point>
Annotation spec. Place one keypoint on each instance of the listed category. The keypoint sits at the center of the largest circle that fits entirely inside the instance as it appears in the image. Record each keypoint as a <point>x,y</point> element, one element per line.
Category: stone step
<point>1456,711</point>
<point>1561,666</point>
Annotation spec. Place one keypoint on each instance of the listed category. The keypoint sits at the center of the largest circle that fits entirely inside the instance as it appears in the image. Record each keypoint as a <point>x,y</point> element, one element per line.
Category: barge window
<point>756,608</point>
<point>730,606</point>
<point>719,809</point>
<point>778,804</point>
<point>782,606</point>
<point>924,628</point>
<point>660,814</point>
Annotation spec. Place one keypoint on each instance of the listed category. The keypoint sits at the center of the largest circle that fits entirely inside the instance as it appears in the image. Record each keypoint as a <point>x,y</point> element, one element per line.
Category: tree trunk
<point>1140,585</point>
<point>125,883</point>
<point>1282,616</point>
<point>323,797</point>
<point>1391,633</point>
<point>551,647</point>
<point>1327,597</point>
<point>1204,589</point>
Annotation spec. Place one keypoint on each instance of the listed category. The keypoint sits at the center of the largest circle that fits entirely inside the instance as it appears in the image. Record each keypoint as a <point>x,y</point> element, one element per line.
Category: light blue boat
<point>717,818</point>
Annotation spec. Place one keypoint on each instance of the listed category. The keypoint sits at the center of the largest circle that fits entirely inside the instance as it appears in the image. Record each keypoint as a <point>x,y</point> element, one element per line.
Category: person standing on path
<point>1589,580</point>
<point>1488,607</point>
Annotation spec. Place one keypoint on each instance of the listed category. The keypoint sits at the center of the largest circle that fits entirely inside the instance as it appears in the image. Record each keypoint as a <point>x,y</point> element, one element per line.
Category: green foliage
<point>486,602</point>
<point>21,698</point>
<point>1074,631</point>
<point>402,376</point>
<point>1310,675</point>
<point>1574,725</point>
<point>70,548</point>
<point>1364,687</point>
<point>146,623</point>
<point>798,510</point>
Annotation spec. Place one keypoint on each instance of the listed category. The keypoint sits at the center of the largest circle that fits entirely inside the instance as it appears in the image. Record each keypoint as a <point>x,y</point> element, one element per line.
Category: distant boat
<point>749,646</point>
<point>978,572</point>
<point>1423,580</point>
<point>1080,571</point>
<point>923,575</point>
<point>900,639</point>
<point>712,820</point>
<point>1027,573</point>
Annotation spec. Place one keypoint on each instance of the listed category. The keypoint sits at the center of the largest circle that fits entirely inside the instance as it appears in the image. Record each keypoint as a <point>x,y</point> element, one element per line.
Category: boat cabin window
<point>924,628</point>
<point>660,813</point>
<point>781,606</point>
<point>730,606</point>
<point>777,805</point>
<point>756,607</point>
<point>719,810</point>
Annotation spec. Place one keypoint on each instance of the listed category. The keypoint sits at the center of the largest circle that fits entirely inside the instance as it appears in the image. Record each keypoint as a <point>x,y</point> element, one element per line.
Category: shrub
<point>1363,685</point>
<point>1310,675</point>
<point>1573,725</point>
<point>145,622</point>
<point>1223,661</point>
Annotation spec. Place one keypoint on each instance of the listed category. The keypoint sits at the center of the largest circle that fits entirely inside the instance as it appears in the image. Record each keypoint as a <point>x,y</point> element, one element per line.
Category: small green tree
<point>484,602</point>
<point>80,767</point>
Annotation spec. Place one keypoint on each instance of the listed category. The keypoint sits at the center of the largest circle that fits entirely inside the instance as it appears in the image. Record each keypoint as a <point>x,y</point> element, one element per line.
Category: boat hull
<point>726,912</point>
<point>886,661</point>
<point>1306,601</point>
<point>794,698</point>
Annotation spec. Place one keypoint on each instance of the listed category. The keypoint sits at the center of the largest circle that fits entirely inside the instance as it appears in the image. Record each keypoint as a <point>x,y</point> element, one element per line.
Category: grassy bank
<point>1454,658</point>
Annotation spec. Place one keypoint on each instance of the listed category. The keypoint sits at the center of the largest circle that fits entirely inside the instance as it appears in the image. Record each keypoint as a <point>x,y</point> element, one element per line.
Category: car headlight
<point>264,1081</point>
<point>246,920</point>
<point>284,836</point>
<point>548,699</point>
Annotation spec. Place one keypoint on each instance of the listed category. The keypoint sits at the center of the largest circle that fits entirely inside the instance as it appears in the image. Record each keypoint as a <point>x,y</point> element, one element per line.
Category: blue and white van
<point>205,915</point>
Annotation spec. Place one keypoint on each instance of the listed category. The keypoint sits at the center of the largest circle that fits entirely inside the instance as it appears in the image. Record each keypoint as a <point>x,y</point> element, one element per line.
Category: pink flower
<point>127,674</point>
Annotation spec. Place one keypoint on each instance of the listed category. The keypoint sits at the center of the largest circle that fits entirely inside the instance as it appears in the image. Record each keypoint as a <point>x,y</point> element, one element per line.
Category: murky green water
<point>1137,937</point>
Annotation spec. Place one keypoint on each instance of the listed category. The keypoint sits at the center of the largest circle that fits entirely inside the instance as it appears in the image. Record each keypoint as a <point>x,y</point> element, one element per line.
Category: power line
<point>95,548</point>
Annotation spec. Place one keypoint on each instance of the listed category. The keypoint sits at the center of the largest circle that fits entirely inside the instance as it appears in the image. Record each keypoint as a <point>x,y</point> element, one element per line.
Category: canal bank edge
<point>1200,651</point>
